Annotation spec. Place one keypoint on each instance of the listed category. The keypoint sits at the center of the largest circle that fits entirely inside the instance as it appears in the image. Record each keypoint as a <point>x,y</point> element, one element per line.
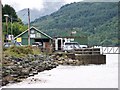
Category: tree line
<point>15,24</point>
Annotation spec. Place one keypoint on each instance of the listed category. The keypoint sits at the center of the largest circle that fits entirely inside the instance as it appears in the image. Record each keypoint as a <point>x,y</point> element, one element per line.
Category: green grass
<point>21,51</point>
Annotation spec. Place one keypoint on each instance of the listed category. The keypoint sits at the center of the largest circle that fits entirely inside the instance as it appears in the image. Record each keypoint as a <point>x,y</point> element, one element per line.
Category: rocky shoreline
<point>17,69</point>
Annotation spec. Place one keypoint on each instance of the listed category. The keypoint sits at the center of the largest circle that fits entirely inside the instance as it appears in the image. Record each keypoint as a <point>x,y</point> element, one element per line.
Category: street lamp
<point>7,16</point>
<point>6,25</point>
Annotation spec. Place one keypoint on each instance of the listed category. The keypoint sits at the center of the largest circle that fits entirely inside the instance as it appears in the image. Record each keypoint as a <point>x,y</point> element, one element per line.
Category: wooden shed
<point>35,36</point>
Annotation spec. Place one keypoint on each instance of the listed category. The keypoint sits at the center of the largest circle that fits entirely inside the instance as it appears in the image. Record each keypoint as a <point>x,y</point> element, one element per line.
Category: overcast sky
<point>32,4</point>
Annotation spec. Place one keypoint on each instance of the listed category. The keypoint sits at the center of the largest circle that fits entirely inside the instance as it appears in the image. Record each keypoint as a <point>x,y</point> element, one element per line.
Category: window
<point>38,35</point>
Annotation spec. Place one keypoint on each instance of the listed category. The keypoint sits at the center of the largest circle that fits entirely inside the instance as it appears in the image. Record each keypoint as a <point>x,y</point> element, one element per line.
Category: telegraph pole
<point>28,26</point>
<point>7,24</point>
<point>11,29</point>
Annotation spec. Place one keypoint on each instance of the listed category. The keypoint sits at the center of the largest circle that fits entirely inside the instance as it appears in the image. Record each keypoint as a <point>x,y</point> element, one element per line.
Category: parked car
<point>70,46</point>
<point>38,44</point>
<point>9,44</point>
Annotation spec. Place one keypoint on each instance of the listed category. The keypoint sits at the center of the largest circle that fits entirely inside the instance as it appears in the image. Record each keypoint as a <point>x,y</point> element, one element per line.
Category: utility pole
<point>28,26</point>
<point>7,24</point>
<point>11,29</point>
<point>1,44</point>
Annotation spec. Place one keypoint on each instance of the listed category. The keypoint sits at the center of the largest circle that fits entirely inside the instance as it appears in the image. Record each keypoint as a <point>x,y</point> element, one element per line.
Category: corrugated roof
<point>36,30</point>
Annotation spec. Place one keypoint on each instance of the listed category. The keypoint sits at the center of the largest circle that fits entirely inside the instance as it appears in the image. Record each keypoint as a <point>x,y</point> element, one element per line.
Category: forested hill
<point>92,19</point>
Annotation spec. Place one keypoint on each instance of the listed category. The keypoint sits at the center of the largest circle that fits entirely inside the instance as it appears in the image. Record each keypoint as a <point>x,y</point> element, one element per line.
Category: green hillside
<point>98,21</point>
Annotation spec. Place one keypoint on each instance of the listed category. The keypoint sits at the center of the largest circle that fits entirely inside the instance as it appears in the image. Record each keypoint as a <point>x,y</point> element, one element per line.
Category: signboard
<point>10,37</point>
<point>19,40</point>
<point>32,35</point>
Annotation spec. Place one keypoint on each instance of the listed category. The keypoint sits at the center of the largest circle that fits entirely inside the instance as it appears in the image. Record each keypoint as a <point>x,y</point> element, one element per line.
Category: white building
<point>59,41</point>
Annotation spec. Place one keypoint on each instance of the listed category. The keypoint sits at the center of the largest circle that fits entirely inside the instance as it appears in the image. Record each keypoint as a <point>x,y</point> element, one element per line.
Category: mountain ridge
<point>49,7</point>
<point>86,18</point>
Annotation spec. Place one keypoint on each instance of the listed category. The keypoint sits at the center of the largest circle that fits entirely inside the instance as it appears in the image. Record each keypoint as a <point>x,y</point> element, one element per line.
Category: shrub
<point>21,51</point>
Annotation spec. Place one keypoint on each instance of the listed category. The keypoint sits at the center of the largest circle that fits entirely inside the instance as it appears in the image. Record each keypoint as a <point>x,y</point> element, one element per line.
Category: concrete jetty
<point>88,55</point>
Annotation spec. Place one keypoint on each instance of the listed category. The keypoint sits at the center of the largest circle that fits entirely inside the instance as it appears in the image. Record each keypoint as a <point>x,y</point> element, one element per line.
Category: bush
<point>21,51</point>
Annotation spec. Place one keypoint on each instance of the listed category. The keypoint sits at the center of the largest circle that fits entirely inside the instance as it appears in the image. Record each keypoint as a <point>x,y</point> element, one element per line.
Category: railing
<point>90,50</point>
<point>87,51</point>
<point>110,50</point>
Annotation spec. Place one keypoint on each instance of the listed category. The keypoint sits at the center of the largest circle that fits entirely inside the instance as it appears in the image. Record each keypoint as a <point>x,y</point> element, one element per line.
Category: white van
<point>83,46</point>
<point>70,46</point>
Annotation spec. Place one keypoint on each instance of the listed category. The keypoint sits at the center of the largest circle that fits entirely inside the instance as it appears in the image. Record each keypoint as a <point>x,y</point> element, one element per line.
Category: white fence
<point>109,50</point>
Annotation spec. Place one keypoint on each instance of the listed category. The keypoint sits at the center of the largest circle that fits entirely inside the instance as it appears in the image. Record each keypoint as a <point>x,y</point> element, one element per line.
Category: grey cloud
<point>48,8</point>
<point>52,6</point>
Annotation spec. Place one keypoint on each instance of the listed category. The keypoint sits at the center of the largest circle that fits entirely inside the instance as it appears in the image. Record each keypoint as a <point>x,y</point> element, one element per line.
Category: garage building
<point>35,36</point>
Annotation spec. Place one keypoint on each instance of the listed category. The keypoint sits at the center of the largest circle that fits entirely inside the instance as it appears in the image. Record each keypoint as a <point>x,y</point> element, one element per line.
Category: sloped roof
<point>36,30</point>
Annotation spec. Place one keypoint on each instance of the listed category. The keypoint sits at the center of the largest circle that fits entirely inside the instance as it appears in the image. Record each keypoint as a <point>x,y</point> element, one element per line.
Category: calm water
<point>92,76</point>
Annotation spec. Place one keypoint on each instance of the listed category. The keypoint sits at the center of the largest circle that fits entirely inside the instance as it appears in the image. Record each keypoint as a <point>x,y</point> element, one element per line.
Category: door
<point>59,44</point>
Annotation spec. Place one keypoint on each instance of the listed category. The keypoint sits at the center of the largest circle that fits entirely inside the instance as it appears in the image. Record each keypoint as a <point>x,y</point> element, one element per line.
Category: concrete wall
<point>88,56</point>
<point>92,59</point>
